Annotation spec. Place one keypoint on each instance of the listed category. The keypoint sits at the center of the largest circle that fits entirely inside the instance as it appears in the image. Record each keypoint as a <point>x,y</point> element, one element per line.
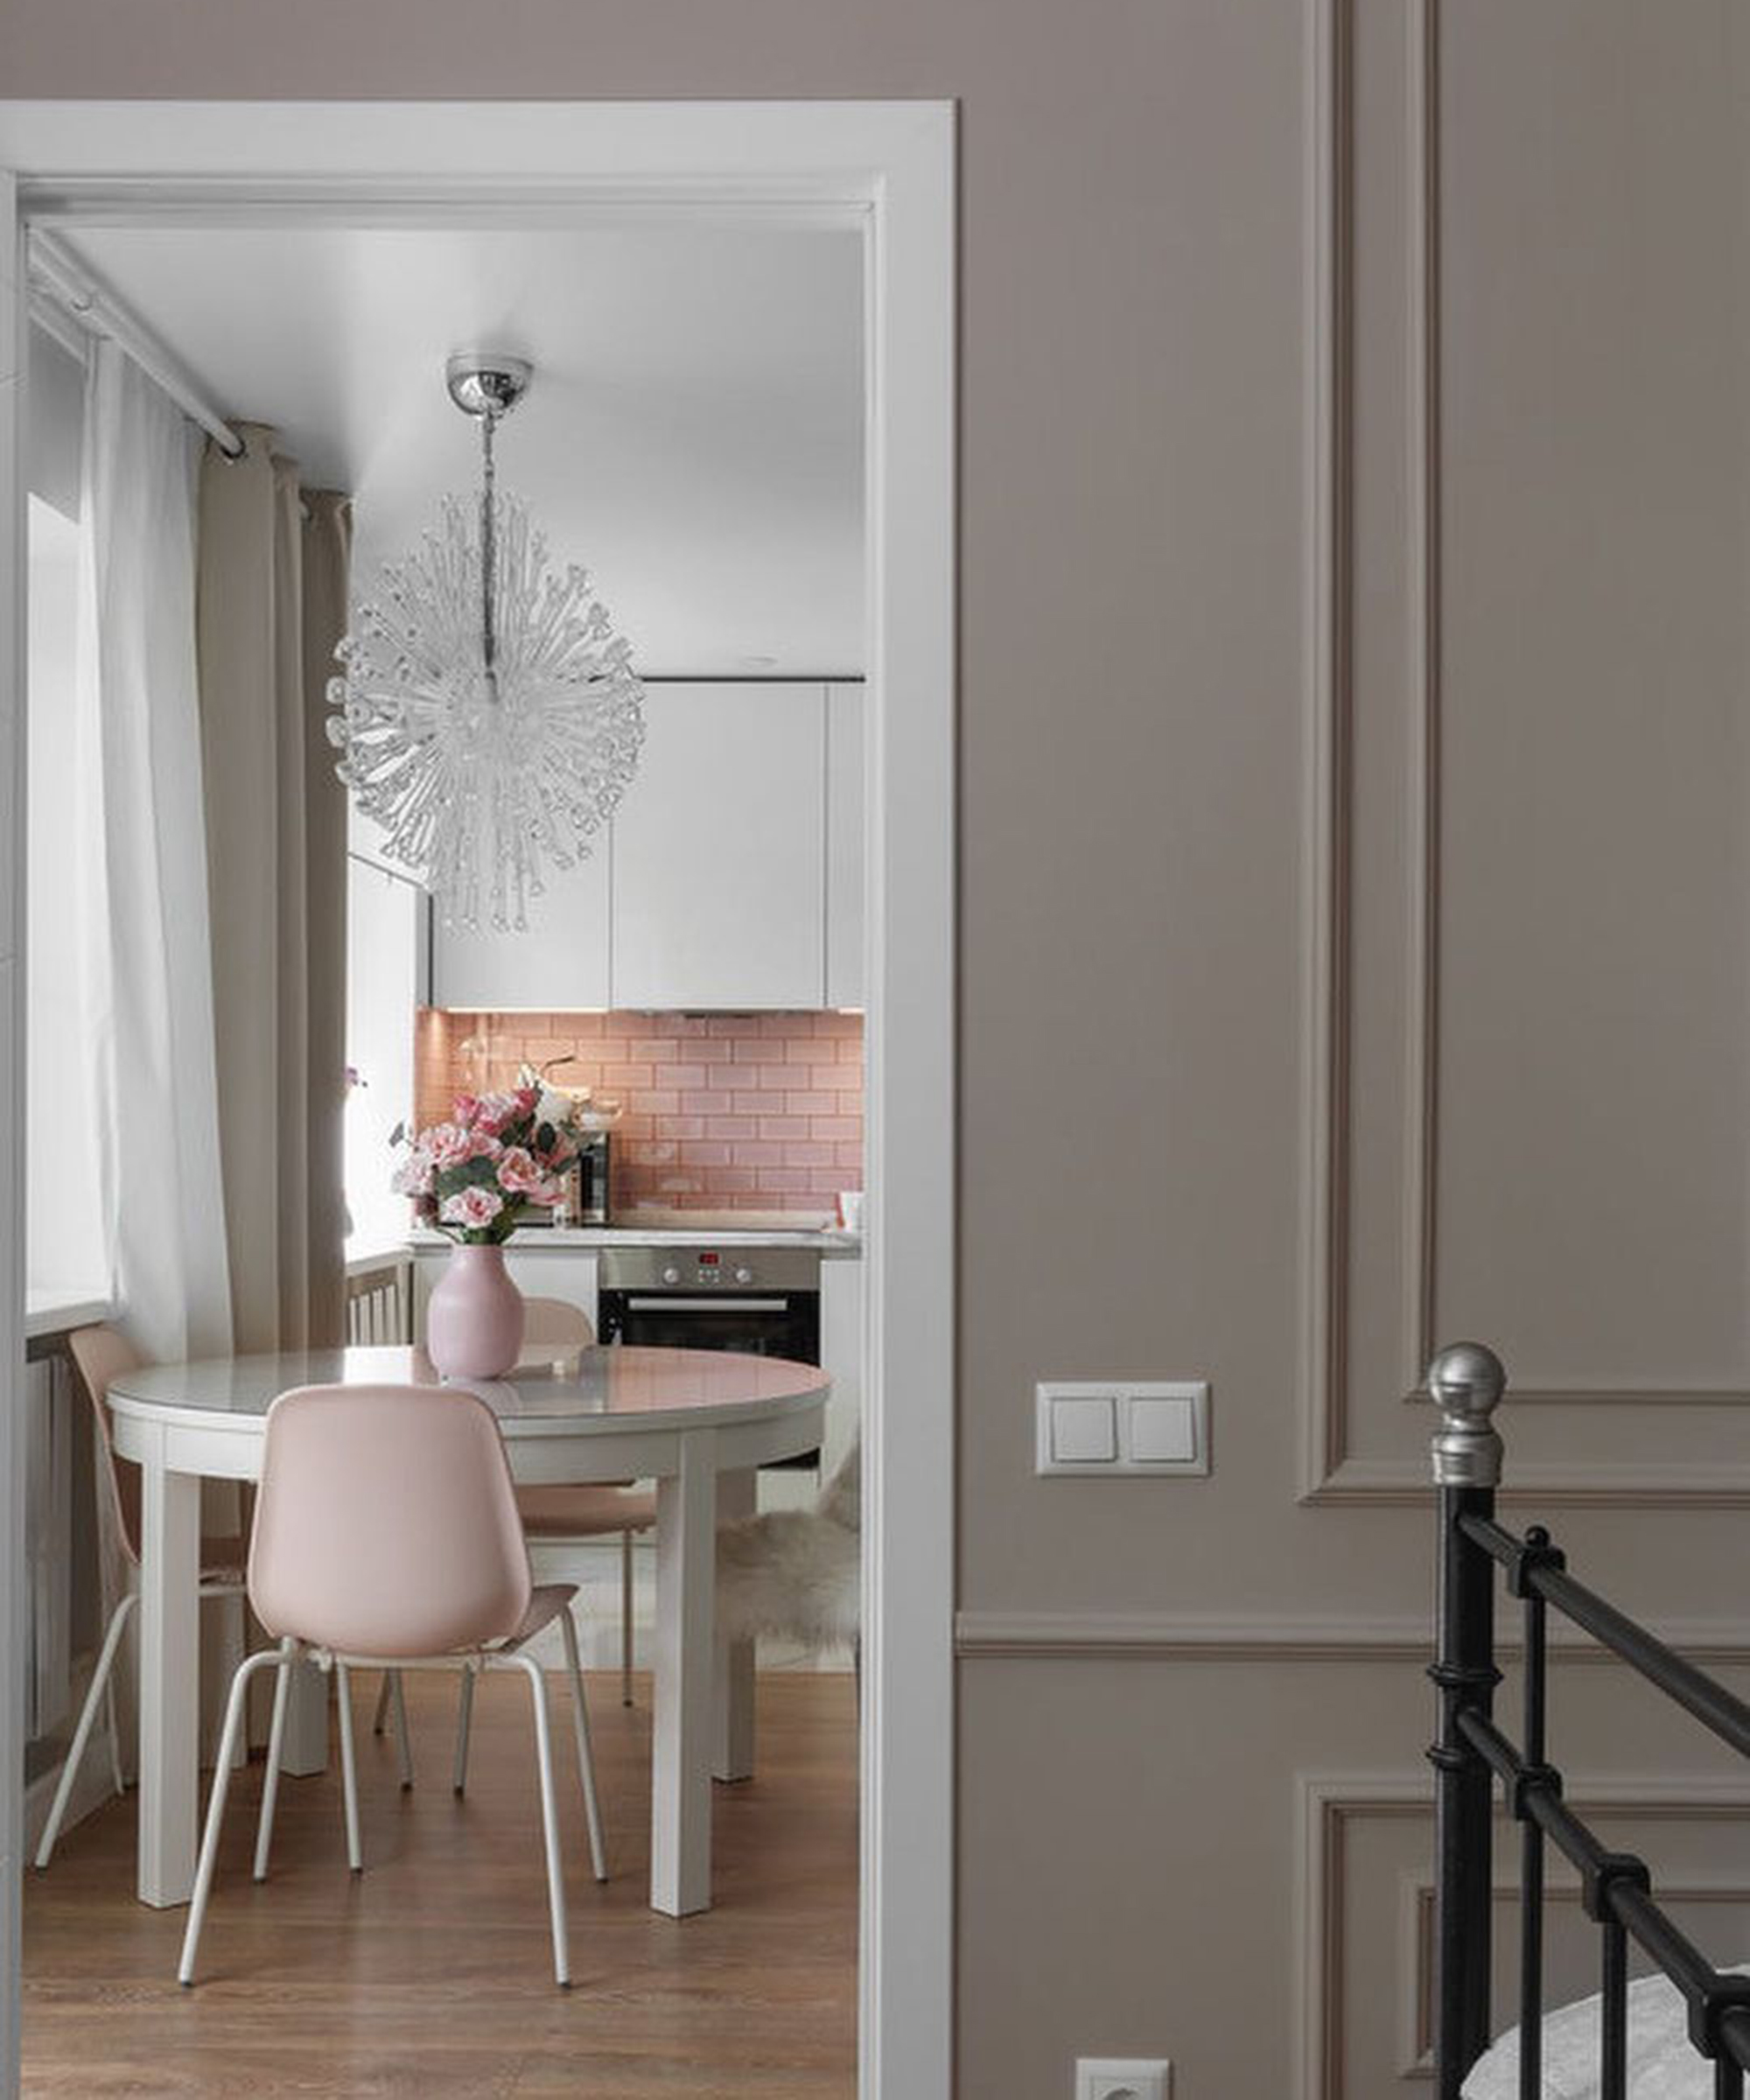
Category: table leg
<point>169,1681</point>
<point>737,1497</point>
<point>306,1723</point>
<point>685,1657</point>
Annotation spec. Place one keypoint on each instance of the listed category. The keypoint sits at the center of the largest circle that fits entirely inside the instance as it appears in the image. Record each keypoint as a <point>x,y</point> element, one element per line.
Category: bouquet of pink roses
<point>471,1176</point>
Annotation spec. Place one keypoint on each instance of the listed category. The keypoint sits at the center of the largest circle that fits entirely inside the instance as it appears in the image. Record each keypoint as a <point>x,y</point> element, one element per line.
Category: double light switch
<point>1106,1428</point>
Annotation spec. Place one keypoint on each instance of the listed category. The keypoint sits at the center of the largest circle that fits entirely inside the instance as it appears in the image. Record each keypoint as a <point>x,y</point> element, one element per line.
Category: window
<point>66,1242</point>
<point>384,918</point>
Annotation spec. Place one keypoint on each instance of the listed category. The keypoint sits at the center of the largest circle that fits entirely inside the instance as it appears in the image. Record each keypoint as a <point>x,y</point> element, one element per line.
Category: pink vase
<point>473,1323</point>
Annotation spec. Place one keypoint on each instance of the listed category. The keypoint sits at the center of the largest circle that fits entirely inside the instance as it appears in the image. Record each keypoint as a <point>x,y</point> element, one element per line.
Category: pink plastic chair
<point>561,1517</point>
<point>100,1353</point>
<point>386,1534</point>
<point>556,1516</point>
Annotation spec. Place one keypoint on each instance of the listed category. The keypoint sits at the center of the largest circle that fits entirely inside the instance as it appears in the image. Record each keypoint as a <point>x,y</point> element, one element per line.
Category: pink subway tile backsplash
<point>723,1111</point>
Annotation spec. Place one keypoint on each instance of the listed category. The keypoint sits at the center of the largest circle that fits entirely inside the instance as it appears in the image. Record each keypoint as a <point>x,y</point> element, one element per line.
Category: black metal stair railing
<point>1471,1753</point>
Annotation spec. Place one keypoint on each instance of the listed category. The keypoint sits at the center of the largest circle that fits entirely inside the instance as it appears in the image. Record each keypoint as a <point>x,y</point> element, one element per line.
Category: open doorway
<point>902,389</point>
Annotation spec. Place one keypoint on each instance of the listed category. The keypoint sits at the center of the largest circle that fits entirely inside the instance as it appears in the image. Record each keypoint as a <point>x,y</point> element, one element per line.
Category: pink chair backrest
<point>554,1322</point>
<point>101,1355</point>
<point>387,1524</point>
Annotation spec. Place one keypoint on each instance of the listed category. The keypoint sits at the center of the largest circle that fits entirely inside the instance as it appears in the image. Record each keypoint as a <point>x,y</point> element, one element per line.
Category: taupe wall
<point>1370,840</point>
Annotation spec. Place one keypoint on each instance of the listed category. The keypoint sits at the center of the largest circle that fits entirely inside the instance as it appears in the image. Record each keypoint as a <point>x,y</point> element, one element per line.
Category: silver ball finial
<point>1465,1382</point>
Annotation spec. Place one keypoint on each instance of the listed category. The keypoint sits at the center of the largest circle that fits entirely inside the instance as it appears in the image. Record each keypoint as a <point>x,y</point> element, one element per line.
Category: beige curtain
<point>272,605</point>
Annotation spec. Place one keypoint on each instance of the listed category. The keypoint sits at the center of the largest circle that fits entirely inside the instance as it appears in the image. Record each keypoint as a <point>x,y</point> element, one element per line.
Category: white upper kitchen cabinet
<point>844,846</point>
<point>560,962</point>
<point>719,851</point>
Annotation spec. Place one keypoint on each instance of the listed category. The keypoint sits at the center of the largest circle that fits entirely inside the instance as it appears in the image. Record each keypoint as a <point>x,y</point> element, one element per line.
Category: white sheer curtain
<point>147,946</point>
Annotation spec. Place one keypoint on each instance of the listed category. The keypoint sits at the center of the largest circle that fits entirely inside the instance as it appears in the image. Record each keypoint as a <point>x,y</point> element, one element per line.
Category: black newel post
<point>1465,1382</point>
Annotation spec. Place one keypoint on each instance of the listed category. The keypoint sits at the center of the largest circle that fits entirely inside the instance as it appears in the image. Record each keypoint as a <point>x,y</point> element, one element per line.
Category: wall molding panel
<point>1334,1469</point>
<point>1416,1982</point>
<point>1328,1810</point>
<point>1329,539</point>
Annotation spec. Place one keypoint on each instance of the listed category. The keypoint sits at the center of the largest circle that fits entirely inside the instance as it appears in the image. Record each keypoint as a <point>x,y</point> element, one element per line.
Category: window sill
<point>48,1313</point>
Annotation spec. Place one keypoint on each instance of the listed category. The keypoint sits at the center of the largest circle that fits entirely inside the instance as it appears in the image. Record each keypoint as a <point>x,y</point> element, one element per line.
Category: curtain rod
<point>70,287</point>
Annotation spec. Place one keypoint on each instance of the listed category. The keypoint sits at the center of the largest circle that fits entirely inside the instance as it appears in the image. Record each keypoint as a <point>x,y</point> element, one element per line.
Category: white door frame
<point>889,167</point>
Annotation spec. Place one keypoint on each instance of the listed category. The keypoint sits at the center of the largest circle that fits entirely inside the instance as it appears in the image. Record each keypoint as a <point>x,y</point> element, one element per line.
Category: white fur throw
<point>793,1572</point>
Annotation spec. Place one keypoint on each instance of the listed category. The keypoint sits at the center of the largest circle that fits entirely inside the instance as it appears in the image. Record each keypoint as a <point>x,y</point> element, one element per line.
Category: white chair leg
<point>586,1765</point>
<point>115,1728</point>
<point>349,1767</point>
<point>81,1734</point>
<point>403,1740</point>
<point>550,1821</point>
<point>234,1604</point>
<point>380,1720</point>
<point>626,1601</point>
<point>275,1746</point>
<point>265,1658</point>
<point>464,1716</point>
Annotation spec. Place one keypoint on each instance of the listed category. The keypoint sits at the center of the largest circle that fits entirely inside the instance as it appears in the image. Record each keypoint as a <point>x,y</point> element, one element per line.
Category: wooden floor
<point>430,1974</point>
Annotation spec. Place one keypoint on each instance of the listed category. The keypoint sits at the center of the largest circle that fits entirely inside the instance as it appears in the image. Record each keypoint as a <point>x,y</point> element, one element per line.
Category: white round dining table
<point>697,1421</point>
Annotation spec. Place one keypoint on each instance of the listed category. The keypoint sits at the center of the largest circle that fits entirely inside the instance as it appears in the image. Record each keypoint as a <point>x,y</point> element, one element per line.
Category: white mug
<point>851,1209</point>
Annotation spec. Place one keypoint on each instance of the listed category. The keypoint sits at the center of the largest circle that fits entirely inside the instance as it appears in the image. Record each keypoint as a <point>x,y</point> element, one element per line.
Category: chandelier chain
<point>489,552</point>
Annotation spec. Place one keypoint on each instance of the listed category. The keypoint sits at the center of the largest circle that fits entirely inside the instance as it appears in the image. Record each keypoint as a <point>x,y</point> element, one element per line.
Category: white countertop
<point>829,1243</point>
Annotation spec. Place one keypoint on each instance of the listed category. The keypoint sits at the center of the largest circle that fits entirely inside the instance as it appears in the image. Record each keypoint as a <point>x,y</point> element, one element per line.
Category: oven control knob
<point>743,1276</point>
<point>671,1274</point>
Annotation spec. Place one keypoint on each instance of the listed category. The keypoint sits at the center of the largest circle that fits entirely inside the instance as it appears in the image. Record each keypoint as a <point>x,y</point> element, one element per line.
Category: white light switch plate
<point>1123,2078</point>
<point>1161,1426</point>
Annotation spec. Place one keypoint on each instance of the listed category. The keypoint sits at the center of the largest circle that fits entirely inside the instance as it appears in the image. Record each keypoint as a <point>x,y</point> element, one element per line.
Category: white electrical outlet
<point>1123,2078</point>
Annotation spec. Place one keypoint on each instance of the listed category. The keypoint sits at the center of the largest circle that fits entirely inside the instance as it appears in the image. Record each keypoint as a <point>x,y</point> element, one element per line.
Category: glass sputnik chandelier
<point>487,716</point>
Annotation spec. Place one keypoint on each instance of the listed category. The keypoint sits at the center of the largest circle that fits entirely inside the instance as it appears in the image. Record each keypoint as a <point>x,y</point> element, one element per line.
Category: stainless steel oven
<point>764,1301</point>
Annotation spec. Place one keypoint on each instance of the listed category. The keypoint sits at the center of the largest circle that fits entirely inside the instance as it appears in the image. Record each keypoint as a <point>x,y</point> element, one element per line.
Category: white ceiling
<point>694,434</point>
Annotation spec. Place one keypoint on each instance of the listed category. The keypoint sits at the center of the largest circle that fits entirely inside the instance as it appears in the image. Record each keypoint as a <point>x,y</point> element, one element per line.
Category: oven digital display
<point>709,1261</point>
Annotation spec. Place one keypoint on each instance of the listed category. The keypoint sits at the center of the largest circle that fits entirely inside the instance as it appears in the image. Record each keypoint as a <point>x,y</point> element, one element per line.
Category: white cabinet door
<point>719,851</point>
<point>844,846</point>
<point>559,964</point>
<point>569,1273</point>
